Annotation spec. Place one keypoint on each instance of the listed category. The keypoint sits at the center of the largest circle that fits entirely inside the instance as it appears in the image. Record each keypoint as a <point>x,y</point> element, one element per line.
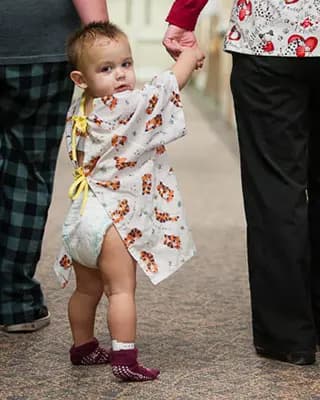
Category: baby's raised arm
<point>189,59</point>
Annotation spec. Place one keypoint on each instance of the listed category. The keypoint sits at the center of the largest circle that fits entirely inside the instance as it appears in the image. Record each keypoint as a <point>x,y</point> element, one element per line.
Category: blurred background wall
<point>214,79</point>
<point>144,22</point>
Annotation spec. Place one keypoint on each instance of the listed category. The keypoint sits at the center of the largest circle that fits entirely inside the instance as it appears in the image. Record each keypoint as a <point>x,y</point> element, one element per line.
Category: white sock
<point>116,346</point>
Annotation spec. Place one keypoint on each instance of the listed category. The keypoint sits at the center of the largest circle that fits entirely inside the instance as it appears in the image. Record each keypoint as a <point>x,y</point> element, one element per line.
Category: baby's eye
<point>127,64</point>
<point>107,68</point>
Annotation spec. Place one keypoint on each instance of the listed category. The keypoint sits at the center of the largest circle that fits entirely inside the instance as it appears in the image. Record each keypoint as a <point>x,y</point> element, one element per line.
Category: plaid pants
<point>33,105</point>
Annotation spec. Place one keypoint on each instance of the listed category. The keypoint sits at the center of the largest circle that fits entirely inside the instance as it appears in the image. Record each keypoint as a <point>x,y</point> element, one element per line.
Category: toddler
<point>126,207</point>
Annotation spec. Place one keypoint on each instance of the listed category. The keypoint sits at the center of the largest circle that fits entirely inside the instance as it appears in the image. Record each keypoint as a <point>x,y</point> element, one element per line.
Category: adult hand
<point>177,38</point>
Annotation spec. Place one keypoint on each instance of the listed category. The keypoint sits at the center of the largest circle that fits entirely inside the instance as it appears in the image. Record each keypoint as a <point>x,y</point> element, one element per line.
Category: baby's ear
<point>77,78</point>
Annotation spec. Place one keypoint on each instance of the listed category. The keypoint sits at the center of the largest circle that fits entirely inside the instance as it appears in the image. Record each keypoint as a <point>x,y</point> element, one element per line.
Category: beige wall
<point>144,22</point>
<point>215,77</point>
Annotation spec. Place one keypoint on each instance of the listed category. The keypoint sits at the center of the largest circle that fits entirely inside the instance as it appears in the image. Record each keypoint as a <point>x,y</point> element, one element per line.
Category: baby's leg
<point>81,311</point>
<point>118,271</point>
<point>83,303</point>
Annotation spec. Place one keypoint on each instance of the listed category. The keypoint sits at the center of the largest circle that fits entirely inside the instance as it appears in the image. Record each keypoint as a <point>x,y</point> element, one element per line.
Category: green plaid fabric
<point>33,105</point>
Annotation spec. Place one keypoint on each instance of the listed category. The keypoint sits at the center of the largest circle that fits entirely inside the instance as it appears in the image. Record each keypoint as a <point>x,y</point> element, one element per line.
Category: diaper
<point>82,235</point>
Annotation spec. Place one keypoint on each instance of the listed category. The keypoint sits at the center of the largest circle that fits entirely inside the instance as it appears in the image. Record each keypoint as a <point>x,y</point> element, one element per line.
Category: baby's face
<point>108,67</point>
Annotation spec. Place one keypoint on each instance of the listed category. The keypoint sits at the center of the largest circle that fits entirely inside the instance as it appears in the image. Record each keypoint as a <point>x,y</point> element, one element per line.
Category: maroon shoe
<point>89,354</point>
<point>125,367</point>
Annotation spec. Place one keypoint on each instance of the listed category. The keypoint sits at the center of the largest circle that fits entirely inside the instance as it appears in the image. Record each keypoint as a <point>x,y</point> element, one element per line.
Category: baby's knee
<point>94,291</point>
<point>126,291</point>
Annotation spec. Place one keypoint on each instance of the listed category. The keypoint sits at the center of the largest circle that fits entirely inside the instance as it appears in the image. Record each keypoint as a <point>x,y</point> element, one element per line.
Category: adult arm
<point>91,10</point>
<point>184,13</point>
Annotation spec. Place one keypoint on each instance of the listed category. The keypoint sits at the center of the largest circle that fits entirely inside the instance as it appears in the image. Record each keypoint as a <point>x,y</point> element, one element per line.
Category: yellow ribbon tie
<point>79,125</point>
<point>79,185</point>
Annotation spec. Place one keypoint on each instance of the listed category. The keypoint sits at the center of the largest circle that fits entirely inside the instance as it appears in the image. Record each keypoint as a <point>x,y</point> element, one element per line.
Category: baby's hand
<point>197,53</point>
<point>189,59</point>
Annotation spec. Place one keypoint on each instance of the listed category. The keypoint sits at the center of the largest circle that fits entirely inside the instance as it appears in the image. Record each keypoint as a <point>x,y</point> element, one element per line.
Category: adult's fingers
<point>172,47</point>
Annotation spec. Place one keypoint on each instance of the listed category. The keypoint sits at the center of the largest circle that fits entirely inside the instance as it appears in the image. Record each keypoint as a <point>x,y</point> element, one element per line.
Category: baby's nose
<point>119,73</point>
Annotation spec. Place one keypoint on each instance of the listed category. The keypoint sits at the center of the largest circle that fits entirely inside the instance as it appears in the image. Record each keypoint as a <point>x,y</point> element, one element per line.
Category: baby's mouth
<point>122,88</point>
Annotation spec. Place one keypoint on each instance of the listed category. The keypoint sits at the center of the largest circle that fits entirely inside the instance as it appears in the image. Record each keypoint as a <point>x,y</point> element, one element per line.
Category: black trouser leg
<point>272,103</point>
<point>314,206</point>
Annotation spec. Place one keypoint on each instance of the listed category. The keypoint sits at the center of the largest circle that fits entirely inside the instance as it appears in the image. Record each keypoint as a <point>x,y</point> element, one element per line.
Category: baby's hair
<point>87,35</point>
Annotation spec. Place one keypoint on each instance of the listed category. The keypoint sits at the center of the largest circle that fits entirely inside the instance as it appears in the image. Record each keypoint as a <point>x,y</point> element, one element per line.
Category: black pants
<point>277,104</point>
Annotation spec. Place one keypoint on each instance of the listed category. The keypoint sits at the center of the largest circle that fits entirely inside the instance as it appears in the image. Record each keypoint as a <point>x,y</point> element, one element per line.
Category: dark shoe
<point>32,326</point>
<point>297,358</point>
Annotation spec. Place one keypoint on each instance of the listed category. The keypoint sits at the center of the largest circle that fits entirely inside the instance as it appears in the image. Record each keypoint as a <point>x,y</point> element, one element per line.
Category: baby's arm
<point>187,62</point>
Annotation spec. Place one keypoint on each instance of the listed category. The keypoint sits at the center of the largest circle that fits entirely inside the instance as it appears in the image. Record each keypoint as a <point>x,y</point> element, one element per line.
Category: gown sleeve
<point>162,117</point>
